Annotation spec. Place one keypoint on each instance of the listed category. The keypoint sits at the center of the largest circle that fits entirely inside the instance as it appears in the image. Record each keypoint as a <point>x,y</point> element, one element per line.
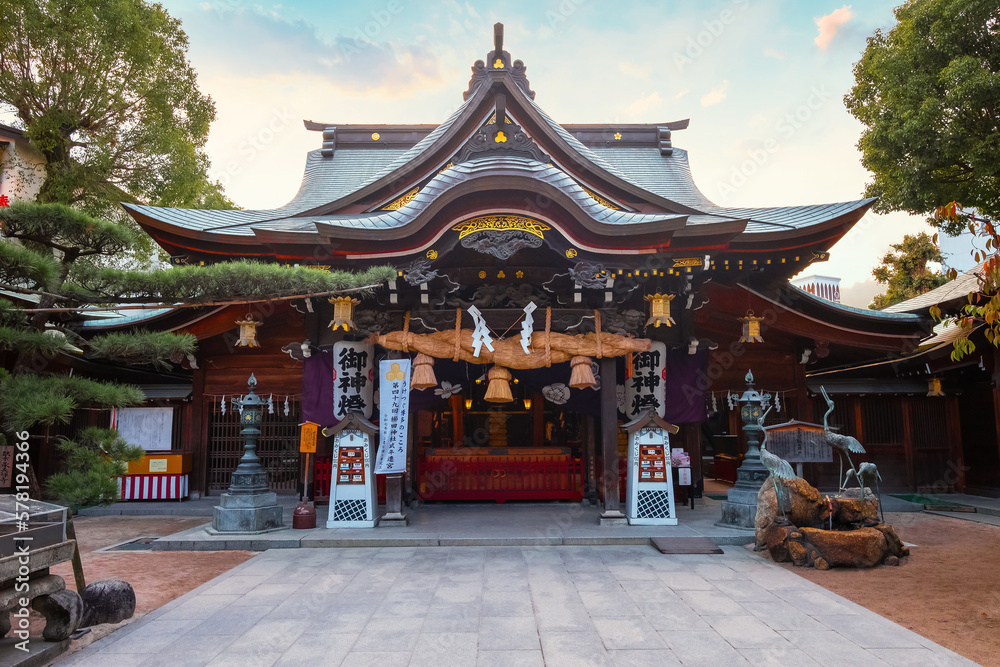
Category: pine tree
<point>51,257</point>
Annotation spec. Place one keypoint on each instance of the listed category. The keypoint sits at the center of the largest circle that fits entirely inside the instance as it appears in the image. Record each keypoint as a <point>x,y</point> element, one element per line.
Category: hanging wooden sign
<point>647,386</point>
<point>353,378</point>
<point>308,435</point>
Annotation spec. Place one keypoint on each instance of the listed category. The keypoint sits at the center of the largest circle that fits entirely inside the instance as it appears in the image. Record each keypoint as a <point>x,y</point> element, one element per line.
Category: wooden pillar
<point>956,457</point>
<point>609,443</point>
<point>458,419</point>
<point>692,444</point>
<point>908,451</point>
<point>589,459</point>
<point>538,419</point>
<point>803,406</point>
<point>996,395</point>
<point>198,433</point>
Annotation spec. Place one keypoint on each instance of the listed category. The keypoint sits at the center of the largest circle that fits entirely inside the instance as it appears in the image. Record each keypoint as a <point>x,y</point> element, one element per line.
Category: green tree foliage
<point>44,253</point>
<point>104,90</point>
<point>30,400</point>
<point>928,93</point>
<point>904,270</point>
<point>95,460</point>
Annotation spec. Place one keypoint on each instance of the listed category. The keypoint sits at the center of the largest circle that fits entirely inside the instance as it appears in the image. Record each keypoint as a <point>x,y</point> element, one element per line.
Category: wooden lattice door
<point>277,448</point>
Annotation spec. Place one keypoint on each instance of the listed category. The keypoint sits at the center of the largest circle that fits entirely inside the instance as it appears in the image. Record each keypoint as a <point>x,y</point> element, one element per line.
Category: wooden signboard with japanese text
<point>799,442</point>
<point>307,437</point>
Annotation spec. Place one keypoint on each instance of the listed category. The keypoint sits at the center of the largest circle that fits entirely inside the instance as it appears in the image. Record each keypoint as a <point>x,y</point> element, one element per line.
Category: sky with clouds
<point>761,80</point>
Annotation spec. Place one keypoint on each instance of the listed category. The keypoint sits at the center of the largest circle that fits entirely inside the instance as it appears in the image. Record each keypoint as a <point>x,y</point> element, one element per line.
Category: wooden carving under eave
<point>508,352</point>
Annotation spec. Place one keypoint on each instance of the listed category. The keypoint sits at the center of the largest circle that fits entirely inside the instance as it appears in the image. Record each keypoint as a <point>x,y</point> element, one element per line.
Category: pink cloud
<point>830,24</point>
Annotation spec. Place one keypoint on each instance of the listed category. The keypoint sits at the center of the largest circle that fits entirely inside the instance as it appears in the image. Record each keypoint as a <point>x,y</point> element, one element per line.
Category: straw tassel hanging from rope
<point>582,375</point>
<point>499,389</point>
<point>423,372</point>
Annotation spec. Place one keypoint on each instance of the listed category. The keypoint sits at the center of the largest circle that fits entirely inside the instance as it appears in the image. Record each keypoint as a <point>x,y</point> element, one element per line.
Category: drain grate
<point>137,544</point>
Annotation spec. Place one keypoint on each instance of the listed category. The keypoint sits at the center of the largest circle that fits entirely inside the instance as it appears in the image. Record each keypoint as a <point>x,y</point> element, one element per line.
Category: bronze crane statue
<point>777,466</point>
<point>868,476</point>
<point>846,444</point>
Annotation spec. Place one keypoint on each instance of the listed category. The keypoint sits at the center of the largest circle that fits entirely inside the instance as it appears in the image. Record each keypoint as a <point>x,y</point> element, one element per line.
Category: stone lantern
<point>740,508</point>
<point>248,506</point>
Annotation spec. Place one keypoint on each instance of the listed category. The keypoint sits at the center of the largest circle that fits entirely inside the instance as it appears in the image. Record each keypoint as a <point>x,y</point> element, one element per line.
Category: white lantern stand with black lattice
<point>649,499</point>
<point>352,484</point>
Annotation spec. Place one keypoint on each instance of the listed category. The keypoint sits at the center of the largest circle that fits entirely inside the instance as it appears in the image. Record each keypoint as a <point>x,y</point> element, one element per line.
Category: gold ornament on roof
<point>618,136</point>
<point>343,312</point>
<point>498,64</point>
<point>601,200</point>
<point>399,203</point>
<point>751,328</point>
<point>571,253</point>
<point>500,138</point>
<point>659,309</point>
<point>432,254</point>
<point>375,136</point>
<point>501,223</point>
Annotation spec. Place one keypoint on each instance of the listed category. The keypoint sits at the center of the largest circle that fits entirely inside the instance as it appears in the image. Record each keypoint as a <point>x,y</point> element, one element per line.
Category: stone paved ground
<point>573,605</point>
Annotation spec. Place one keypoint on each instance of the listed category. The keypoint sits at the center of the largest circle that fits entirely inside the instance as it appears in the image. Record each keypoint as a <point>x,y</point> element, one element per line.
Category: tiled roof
<point>958,288</point>
<point>351,168</point>
<point>461,173</point>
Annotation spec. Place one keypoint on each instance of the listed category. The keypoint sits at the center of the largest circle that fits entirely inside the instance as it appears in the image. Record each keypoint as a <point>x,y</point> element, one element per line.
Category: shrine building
<point>554,281</point>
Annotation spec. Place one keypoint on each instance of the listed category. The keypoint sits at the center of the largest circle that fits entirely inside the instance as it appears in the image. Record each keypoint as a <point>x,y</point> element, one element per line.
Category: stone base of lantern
<point>249,514</point>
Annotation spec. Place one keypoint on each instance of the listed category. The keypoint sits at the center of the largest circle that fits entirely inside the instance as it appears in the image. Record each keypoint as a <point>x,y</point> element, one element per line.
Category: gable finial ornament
<point>498,60</point>
<point>501,137</point>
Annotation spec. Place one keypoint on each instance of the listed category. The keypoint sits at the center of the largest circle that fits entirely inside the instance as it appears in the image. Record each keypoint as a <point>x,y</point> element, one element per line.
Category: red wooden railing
<point>500,478</point>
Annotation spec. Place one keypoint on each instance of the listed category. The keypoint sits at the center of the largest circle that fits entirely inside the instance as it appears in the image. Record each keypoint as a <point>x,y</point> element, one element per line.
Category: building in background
<point>825,287</point>
<point>21,166</point>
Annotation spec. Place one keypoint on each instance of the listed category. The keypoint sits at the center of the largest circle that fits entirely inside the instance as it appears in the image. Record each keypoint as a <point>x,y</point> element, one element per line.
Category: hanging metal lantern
<point>751,328</point>
<point>659,309</point>
<point>934,387</point>
<point>248,332</point>
<point>343,312</point>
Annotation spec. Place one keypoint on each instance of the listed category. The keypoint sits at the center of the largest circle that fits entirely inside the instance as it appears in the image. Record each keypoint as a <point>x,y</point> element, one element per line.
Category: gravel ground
<point>948,591</point>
